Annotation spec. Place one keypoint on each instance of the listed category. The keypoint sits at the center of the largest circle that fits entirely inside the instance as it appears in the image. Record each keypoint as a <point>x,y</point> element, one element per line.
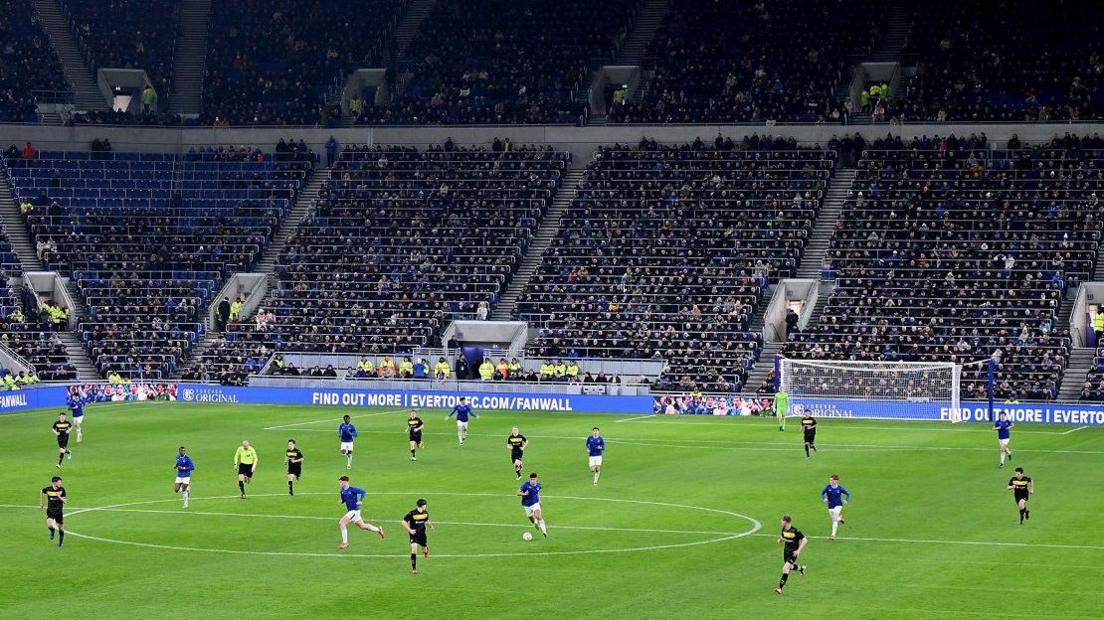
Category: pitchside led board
<point>55,397</point>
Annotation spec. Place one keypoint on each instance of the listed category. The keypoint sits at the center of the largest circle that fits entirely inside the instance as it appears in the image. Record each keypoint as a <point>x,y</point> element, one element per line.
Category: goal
<point>894,390</point>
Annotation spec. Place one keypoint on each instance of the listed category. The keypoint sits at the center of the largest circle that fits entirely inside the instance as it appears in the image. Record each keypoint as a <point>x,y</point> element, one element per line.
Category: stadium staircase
<point>647,23</point>
<point>1098,272</point>
<point>411,22</point>
<point>298,213</point>
<point>813,256</point>
<point>1080,363</point>
<point>1081,358</point>
<point>550,226</point>
<point>14,228</point>
<point>87,93</point>
<point>896,34</point>
<point>763,367</point>
<point>191,57</point>
<point>28,259</point>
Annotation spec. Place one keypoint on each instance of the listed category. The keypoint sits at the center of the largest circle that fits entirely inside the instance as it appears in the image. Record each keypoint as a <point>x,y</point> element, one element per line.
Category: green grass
<point>932,531</point>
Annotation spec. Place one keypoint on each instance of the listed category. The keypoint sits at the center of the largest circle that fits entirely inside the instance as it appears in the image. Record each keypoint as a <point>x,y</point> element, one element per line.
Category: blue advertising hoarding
<point>55,396</point>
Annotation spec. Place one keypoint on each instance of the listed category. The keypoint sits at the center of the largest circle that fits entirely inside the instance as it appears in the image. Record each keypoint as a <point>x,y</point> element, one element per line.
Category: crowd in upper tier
<point>27,63</point>
<point>286,62</point>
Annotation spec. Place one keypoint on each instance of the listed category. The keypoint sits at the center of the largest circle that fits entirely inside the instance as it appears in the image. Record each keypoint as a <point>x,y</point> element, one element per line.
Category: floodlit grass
<point>682,524</point>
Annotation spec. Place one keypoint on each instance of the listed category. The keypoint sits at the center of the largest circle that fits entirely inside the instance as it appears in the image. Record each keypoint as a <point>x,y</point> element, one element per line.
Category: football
<point>527,537</point>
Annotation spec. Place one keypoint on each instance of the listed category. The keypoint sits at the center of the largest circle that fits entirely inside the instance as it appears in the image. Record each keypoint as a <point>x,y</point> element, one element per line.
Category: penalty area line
<point>937,541</point>
<point>1073,430</point>
<point>331,420</point>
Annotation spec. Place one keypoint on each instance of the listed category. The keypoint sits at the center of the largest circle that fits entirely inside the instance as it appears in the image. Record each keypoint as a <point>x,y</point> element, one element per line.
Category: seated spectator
<point>27,63</point>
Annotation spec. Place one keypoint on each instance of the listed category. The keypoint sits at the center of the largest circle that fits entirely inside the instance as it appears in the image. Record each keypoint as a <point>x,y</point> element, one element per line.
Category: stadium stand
<point>400,242</point>
<point>127,34</point>
<point>500,61</point>
<point>948,250</point>
<point>1015,60</point>
<point>718,61</point>
<point>27,63</point>
<point>148,238</point>
<point>273,62</point>
<point>666,252</point>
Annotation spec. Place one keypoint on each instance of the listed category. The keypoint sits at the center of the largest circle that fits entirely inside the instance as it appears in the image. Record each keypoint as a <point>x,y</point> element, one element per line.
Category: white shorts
<point>529,510</point>
<point>184,480</point>
<point>1003,442</point>
<point>835,512</point>
<point>461,426</point>
<point>346,446</point>
<point>353,516</point>
<point>595,461</point>
<point>77,420</point>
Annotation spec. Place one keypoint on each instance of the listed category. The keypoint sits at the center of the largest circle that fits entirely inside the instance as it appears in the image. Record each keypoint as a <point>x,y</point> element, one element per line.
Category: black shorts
<point>295,469</point>
<point>245,470</point>
<point>55,515</point>
<point>516,455</point>
<point>63,441</point>
<point>416,437</point>
<point>419,538</point>
<point>1017,496</point>
<point>788,557</point>
<point>810,437</point>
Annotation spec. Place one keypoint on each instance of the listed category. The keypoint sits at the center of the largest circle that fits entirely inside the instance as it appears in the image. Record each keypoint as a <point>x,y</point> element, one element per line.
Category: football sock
<point>835,526</point>
<point>806,450</point>
<point>782,581</point>
<point>291,488</point>
<point>411,454</point>
<point>543,529</point>
<point>1022,511</point>
<point>596,475</point>
<point>1002,458</point>
<point>51,532</point>
<point>813,446</point>
<point>241,486</point>
<point>184,494</point>
<point>61,457</point>
<point>349,461</point>
<point>344,534</point>
<point>61,536</point>
<point>1027,513</point>
<point>414,561</point>
<point>369,527</point>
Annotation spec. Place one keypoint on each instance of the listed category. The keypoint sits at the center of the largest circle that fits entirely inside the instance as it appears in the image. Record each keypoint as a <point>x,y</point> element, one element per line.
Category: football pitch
<point>683,523</point>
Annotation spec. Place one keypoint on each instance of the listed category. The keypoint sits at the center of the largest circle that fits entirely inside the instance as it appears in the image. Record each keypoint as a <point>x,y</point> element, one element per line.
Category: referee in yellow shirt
<point>245,460</point>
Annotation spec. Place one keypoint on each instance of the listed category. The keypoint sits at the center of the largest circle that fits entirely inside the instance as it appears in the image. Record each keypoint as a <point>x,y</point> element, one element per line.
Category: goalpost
<point>896,390</point>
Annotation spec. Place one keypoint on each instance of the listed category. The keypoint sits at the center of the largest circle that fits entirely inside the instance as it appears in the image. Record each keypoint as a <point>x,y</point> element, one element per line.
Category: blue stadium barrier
<point>1032,413</point>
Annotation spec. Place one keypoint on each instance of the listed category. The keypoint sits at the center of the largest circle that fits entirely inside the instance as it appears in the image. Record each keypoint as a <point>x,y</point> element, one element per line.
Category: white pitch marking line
<point>936,541</point>
<point>708,420</point>
<point>756,526</point>
<point>1073,430</point>
<point>639,417</point>
<point>755,446</point>
<point>331,420</point>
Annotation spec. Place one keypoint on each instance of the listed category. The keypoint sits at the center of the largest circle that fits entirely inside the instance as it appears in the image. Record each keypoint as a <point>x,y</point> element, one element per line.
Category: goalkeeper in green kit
<point>781,407</point>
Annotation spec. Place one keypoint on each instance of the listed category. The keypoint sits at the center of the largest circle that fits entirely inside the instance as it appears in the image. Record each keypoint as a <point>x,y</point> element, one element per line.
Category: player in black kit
<point>61,430</point>
<point>808,427</point>
<point>415,522</point>
<point>414,427</point>
<point>294,459</point>
<point>55,503</point>
<point>1022,487</point>
<point>794,543</point>
<point>516,443</point>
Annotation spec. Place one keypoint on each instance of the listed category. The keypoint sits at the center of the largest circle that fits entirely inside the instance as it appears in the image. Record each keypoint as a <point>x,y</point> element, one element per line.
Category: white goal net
<point>912,390</point>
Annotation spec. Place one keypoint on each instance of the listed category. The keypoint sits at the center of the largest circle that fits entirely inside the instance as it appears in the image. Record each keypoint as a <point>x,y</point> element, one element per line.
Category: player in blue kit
<point>347,433</point>
<point>530,501</point>
<point>1003,426</point>
<point>184,468</point>
<point>595,447</point>
<point>75,402</point>
<point>835,496</point>
<point>353,498</point>
<point>462,411</point>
